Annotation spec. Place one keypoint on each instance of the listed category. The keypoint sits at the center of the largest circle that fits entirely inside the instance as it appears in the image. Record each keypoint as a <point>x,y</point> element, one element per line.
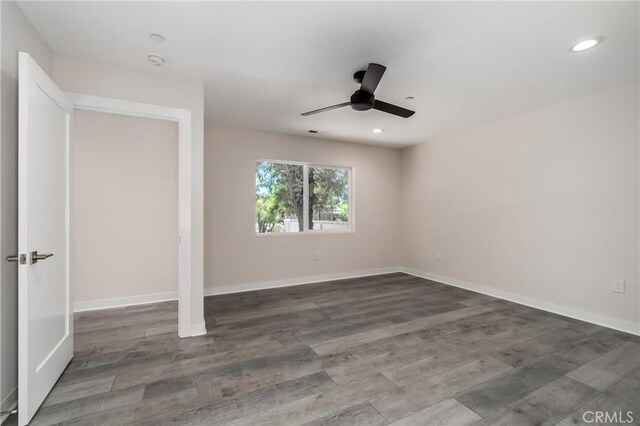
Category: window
<point>300,197</point>
<point>279,197</point>
<point>328,198</point>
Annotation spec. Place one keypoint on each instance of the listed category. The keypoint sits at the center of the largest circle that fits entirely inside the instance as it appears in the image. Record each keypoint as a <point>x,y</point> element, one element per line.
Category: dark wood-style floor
<point>368,351</point>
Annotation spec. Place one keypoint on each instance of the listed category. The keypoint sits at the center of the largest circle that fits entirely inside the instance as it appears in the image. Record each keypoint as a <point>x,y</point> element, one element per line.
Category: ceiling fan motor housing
<point>359,76</point>
<point>361,100</point>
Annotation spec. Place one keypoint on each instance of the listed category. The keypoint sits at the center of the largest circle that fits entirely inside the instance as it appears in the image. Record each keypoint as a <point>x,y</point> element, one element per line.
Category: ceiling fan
<point>363,99</point>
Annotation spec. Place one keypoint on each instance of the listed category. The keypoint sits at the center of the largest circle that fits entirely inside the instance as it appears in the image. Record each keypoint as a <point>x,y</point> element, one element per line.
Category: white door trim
<point>185,142</point>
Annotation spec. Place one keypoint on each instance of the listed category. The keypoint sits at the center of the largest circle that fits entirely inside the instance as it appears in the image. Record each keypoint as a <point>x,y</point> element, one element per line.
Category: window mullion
<point>305,197</point>
<point>350,204</point>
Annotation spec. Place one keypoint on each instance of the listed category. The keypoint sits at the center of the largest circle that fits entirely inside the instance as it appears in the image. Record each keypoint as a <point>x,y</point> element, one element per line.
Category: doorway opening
<point>89,103</point>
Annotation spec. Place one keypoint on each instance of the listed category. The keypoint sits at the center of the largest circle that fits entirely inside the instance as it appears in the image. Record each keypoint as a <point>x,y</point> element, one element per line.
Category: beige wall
<point>234,255</point>
<point>81,76</point>
<point>125,206</point>
<point>17,34</point>
<point>542,206</point>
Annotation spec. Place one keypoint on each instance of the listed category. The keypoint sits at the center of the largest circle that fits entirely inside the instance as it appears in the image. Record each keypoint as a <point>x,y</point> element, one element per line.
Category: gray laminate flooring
<point>388,349</point>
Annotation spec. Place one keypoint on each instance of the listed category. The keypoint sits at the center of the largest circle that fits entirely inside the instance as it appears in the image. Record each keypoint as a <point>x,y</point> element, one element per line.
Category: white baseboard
<point>119,302</point>
<point>143,299</point>
<point>287,282</point>
<point>556,308</point>
<point>199,329</point>
<point>9,403</point>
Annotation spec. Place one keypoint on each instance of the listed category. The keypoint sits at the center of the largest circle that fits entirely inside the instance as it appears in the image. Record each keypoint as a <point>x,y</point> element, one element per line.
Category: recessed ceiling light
<point>313,131</point>
<point>409,98</point>
<point>378,130</point>
<point>155,60</point>
<point>156,37</point>
<point>586,44</point>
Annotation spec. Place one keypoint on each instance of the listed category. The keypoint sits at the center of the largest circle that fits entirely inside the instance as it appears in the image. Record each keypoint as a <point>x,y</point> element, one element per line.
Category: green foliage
<point>343,212</point>
<point>268,212</point>
<point>329,194</point>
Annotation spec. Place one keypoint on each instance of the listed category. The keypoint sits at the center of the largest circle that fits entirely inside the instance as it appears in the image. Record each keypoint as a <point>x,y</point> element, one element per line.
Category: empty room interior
<point>328,213</point>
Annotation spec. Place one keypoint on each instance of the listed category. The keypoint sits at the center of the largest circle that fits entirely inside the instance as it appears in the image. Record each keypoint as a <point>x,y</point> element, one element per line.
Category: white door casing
<point>45,318</point>
<point>181,116</point>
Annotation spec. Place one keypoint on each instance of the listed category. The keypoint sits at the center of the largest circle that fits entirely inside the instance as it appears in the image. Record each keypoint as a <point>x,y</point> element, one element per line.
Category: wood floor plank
<point>363,414</point>
<point>610,368</point>
<point>111,369</point>
<point>603,405</point>
<point>502,391</point>
<point>366,363</point>
<point>546,406</point>
<point>265,313</point>
<point>422,394</point>
<point>237,385</point>
<point>593,346</point>
<point>628,389</point>
<point>151,407</point>
<point>228,409</point>
<point>320,405</point>
<point>447,412</point>
<point>194,371</point>
<point>428,367</point>
<point>431,365</point>
<point>532,349</point>
<point>341,343</point>
<point>82,407</point>
<point>554,401</point>
<point>62,393</point>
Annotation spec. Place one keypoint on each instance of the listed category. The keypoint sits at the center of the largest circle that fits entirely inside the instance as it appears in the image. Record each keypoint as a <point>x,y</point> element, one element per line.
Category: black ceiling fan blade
<point>329,108</point>
<point>392,109</point>
<point>372,77</point>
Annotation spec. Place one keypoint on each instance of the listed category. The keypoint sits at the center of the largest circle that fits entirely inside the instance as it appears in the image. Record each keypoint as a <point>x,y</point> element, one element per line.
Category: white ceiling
<point>265,63</point>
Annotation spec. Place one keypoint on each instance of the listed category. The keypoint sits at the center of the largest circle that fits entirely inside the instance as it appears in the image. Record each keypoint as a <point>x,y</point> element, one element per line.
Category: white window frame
<point>305,198</point>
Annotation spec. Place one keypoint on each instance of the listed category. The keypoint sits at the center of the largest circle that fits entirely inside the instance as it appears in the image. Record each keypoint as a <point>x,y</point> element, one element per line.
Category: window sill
<point>278,234</point>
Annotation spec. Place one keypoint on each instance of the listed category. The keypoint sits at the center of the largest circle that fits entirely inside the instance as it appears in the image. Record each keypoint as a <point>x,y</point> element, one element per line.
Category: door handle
<point>35,257</point>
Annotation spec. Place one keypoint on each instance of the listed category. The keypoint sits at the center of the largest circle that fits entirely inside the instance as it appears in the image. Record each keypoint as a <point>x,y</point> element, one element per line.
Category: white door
<point>45,323</point>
